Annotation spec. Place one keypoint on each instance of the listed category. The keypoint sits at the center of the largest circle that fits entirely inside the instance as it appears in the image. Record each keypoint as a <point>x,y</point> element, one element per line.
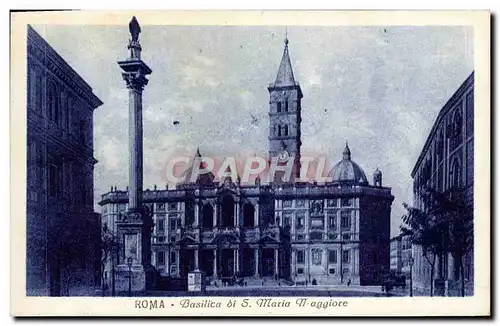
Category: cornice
<point>43,52</point>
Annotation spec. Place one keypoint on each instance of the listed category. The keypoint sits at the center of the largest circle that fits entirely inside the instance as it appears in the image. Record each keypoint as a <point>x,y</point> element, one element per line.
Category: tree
<point>456,217</point>
<point>108,243</point>
<point>424,230</point>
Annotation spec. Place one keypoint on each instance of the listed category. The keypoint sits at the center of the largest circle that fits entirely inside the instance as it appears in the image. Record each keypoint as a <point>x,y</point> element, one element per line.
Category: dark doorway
<point>207,262</point>
<point>267,262</point>
<point>186,262</point>
<point>208,216</point>
<point>227,212</point>
<point>248,215</point>
<point>226,262</point>
<point>247,266</point>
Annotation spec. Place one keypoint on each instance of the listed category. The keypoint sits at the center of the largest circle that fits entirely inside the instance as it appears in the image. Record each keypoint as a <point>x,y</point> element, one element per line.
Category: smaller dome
<point>347,170</point>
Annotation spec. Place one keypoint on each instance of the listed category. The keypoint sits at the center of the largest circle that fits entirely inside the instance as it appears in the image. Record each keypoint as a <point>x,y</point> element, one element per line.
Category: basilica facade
<point>294,231</point>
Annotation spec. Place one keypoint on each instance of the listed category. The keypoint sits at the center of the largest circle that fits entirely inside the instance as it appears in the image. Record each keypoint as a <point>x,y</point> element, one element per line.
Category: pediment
<point>187,240</point>
<point>225,240</point>
<point>267,239</point>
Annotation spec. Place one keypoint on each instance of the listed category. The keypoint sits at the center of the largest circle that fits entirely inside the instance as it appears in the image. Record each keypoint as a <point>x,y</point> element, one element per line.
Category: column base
<point>138,280</point>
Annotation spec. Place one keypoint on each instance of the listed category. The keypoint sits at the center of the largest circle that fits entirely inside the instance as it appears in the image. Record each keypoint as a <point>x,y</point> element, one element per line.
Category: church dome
<point>347,170</point>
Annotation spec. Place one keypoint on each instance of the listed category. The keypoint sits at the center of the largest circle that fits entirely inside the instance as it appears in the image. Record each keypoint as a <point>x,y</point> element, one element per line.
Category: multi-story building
<point>62,228</point>
<point>395,254</point>
<point>447,160</point>
<point>330,233</point>
<point>400,254</point>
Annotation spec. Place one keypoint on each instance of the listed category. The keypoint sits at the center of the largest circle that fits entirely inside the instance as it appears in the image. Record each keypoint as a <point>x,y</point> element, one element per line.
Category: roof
<point>347,169</point>
<point>285,72</point>
<point>442,113</point>
<point>38,47</point>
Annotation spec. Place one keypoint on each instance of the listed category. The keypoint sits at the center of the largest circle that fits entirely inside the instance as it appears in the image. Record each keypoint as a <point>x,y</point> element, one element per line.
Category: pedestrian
<point>349,282</point>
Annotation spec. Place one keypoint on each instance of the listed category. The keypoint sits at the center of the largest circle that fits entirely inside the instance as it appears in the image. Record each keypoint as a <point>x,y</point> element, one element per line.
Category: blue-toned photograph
<point>249,161</point>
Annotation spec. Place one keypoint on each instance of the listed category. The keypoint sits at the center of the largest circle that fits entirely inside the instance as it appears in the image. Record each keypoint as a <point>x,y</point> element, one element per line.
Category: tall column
<point>276,263</point>
<point>237,216</point>
<point>196,258</point>
<point>237,251</point>
<point>256,215</point>
<point>215,263</point>
<point>196,214</point>
<point>216,212</point>
<point>256,258</point>
<point>134,227</point>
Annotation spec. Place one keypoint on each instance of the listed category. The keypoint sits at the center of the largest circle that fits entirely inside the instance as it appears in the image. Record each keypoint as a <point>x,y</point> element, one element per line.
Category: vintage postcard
<point>232,163</point>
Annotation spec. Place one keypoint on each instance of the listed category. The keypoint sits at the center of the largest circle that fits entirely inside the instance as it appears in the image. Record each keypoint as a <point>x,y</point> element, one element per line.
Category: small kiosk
<point>196,281</point>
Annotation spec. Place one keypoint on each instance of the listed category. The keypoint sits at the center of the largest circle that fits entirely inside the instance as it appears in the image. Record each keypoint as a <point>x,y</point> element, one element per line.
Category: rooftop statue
<point>135,29</point>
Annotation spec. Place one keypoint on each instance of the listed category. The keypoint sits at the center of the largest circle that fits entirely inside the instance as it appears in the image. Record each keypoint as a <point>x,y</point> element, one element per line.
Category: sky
<point>379,88</point>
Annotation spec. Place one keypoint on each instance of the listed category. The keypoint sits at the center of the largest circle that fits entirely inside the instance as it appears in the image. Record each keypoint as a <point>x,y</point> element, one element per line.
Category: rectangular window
<point>287,203</point>
<point>172,239</point>
<point>300,237</point>
<point>161,257</point>
<point>286,105</point>
<point>333,236</point>
<point>332,256</point>
<point>174,224</point>
<point>172,206</point>
<point>161,239</point>
<point>345,256</point>
<point>332,202</point>
<point>300,257</point>
<point>332,222</point>
<point>300,271</point>
<point>173,258</point>
<point>347,202</point>
<point>55,179</point>
<point>299,224</point>
<point>278,107</point>
<point>286,221</point>
<point>160,207</point>
<point>161,225</point>
<point>345,220</point>
<point>331,271</point>
<point>346,236</point>
<point>301,203</point>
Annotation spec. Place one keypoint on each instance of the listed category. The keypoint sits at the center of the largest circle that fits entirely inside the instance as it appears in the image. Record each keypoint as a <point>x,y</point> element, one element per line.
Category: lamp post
<point>129,264</point>
<point>411,262</point>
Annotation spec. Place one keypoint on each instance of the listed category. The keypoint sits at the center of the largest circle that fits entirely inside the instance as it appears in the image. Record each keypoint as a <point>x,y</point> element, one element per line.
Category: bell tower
<point>285,116</point>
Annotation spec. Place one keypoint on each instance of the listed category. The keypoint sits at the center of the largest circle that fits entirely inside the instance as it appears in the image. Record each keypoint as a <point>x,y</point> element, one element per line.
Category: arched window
<point>208,216</point>
<point>38,90</point>
<point>278,108</point>
<point>248,215</point>
<point>286,130</point>
<point>456,171</point>
<point>286,105</point>
<point>456,129</point>
<point>279,130</point>
<point>53,105</point>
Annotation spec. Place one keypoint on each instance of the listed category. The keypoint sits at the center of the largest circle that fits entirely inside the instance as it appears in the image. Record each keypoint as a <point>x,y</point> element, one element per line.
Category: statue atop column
<point>134,46</point>
<point>135,29</point>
